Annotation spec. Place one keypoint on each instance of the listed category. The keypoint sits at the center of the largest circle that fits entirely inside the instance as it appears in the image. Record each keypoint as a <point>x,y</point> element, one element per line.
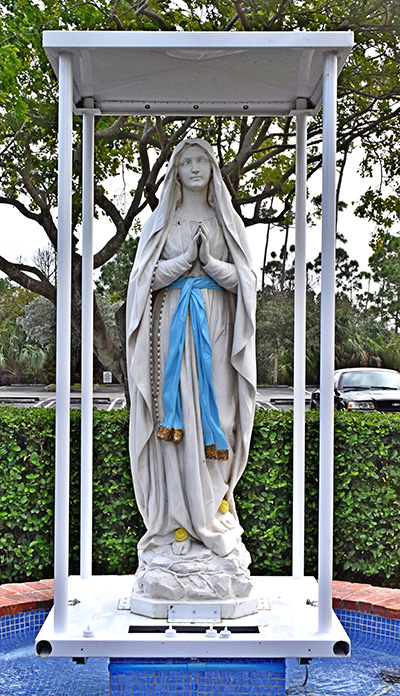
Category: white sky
<point>21,237</point>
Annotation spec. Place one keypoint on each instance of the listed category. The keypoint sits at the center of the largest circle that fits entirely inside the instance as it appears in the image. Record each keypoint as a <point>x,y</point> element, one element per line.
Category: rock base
<point>196,575</point>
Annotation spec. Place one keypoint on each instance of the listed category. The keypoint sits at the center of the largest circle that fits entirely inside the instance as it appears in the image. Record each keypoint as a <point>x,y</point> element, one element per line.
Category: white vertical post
<point>326,461</point>
<point>87,345</point>
<point>63,342</point>
<point>299,349</point>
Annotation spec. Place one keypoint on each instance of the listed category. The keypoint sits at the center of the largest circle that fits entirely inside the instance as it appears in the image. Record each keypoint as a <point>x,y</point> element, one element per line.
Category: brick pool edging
<point>16,598</point>
<point>379,601</point>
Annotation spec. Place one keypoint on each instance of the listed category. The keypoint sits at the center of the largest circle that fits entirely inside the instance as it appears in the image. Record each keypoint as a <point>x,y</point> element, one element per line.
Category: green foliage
<point>263,495</point>
<point>114,275</point>
<point>27,494</point>
<point>367,324</point>
<point>118,525</point>
<point>13,302</point>
<point>367,481</point>
<point>274,339</point>
<point>256,155</point>
<point>367,495</point>
<point>27,336</point>
<point>385,268</point>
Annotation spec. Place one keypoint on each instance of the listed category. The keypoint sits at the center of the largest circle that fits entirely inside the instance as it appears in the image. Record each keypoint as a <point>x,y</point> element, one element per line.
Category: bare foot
<point>181,548</point>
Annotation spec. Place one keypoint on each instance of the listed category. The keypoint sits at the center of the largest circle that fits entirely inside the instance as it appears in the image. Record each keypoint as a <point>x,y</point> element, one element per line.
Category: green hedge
<point>367,494</point>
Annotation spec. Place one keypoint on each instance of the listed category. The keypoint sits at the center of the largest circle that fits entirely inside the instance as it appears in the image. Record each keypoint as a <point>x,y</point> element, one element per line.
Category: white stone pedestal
<point>207,611</point>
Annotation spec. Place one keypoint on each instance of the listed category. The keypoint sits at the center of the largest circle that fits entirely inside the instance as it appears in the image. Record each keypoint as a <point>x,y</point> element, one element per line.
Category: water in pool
<point>372,670</point>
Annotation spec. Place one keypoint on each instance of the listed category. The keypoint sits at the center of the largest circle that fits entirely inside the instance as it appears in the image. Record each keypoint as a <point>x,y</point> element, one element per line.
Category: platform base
<point>208,677</point>
<point>99,624</point>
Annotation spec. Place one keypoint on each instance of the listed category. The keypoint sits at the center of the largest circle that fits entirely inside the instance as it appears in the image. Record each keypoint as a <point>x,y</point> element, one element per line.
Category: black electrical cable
<point>294,689</point>
<point>306,679</point>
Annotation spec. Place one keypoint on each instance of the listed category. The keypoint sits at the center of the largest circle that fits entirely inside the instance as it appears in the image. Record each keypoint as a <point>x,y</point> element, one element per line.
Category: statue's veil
<point>153,237</point>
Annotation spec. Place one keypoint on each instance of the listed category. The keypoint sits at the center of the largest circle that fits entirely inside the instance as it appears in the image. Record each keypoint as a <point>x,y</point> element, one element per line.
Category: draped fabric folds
<point>192,298</point>
<point>176,485</point>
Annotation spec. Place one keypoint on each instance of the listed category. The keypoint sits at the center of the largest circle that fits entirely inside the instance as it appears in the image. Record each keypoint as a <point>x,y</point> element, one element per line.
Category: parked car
<point>364,389</point>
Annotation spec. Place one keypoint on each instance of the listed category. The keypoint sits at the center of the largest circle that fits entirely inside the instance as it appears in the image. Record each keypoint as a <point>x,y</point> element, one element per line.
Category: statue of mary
<point>192,378</point>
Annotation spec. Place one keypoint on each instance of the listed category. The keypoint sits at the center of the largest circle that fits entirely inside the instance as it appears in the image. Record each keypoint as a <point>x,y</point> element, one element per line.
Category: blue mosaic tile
<point>26,623</point>
<point>375,648</point>
<point>182,676</point>
<point>378,627</point>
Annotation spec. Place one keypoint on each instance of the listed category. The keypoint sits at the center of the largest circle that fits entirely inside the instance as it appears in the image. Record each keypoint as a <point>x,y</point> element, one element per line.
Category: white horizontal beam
<point>151,108</point>
<point>195,40</point>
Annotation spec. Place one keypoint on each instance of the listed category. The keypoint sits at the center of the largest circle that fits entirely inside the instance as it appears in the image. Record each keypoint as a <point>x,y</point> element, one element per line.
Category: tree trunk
<point>276,358</point>
<point>284,257</point>
<point>263,266</point>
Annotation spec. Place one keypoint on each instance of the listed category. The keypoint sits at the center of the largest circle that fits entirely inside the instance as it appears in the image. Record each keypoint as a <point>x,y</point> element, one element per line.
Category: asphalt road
<point>110,397</point>
<point>107,397</point>
<point>277,398</point>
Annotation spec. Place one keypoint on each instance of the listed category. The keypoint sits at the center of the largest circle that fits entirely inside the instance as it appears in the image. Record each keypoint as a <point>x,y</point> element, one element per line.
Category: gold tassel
<point>178,435</point>
<point>170,434</point>
<point>213,453</point>
<point>165,433</point>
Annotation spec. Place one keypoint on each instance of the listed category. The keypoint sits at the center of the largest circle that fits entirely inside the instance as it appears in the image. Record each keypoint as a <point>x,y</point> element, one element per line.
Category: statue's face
<point>194,168</point>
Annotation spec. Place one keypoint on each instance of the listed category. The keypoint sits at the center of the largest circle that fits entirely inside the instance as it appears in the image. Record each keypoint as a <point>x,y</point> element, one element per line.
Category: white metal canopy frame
<point>196,73</point>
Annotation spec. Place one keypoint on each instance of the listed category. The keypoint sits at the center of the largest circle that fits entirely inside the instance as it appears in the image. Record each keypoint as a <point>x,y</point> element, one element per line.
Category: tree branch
<point>370,127</point>
<point>15,271</point>
<point>111,130</point>
<point>112,246</point>
<point>142,8</point>
<point>278,16</point>
<point>36,271</point>
<point>242,15</point>
<point>232,22</point>
<point>245,151</point>
<point>21,208</point>
<point>257,219</point>
<point>265,158</point>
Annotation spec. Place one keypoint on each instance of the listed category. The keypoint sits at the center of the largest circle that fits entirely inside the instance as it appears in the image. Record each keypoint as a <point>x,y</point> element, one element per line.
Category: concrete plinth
<point>207,611</point>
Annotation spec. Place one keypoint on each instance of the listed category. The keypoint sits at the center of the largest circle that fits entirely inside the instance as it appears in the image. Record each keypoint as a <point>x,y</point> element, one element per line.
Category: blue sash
<point>192,298</point>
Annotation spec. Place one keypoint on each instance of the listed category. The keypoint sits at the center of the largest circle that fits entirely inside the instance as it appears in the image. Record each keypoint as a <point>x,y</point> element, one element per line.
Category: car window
<point>370,379</point>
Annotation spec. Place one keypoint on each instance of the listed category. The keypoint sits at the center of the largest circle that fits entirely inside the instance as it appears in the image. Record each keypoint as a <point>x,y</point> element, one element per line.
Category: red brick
<point>18,587</point>
<point>44,595</point>
<point>351,591</point>
<point>44,603</point>
<point>365,606</point>
<point>383,599</point>
<point>4,592</point>
<point>350,604</point>
<point>393,611</point>
<point>339,584</point>
<point>15,597</point>
<point>366,594</point>
<point>366,599</point>
<point>388,592</point>
<point>29,604</point>
<point>381,607</point>
<point>5,605</point>
<point>37,586</point>
<point>336,603</point>
<point>340,594</point>
<point>356,586</point>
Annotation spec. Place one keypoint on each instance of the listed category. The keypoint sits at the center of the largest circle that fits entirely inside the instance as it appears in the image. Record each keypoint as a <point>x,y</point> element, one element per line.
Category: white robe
<point>175,485</point>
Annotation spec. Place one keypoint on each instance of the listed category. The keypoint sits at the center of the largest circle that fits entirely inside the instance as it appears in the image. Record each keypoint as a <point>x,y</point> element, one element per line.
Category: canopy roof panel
<point>197,73</point>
